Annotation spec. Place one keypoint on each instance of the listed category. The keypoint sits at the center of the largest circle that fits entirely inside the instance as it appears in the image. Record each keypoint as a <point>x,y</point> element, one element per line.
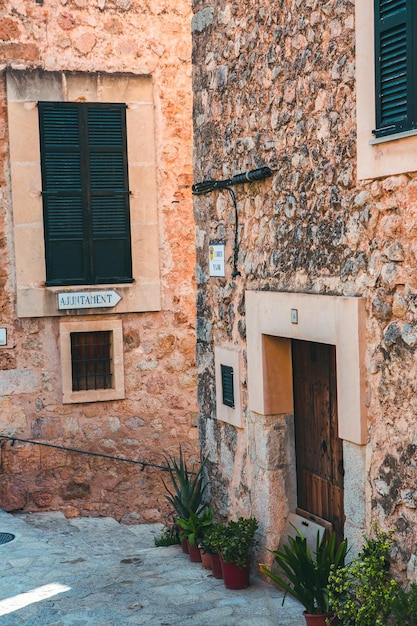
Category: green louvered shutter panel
<point>85,193</point>
<point>63,203</point>
<point>109,194</point>
<point>228,395</point>
<point>395,54</point>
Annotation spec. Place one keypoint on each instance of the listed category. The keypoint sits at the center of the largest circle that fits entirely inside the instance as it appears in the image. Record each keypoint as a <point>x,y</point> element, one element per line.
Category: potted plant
<point>305,576</point>
<point>186,491</point>
<point>235,543</point>
<point>194,526</point>
<point>211,544</point>
<point>363,593</point>
<point>205,551</point>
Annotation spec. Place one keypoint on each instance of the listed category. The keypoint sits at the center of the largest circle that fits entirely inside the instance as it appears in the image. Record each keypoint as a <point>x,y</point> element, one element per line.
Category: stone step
<point>103,573</point>
<point>91,531</point>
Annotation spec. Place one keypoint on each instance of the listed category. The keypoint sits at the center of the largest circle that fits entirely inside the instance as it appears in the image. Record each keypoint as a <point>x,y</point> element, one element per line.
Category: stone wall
<point>150,38</point>
<point>275,85</point>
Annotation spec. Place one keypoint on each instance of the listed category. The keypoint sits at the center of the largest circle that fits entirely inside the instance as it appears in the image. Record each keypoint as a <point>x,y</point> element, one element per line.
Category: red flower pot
<point>235,577</point>
<point>205,559</point>
<point>323,619</point>
<point>194,552</point>
<point>184,546</point>
<point>216,566</point>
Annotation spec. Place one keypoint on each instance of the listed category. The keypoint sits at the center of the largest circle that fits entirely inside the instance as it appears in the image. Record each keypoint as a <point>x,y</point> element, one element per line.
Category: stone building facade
<point>129,60</point>
<point>325,260</point>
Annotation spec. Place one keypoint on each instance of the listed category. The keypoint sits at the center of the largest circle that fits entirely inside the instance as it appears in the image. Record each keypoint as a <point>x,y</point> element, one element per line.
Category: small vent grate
<point>6,537</point>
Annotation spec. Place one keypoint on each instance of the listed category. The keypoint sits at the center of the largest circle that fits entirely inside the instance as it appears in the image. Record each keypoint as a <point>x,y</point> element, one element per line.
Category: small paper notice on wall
<point>216,259</point>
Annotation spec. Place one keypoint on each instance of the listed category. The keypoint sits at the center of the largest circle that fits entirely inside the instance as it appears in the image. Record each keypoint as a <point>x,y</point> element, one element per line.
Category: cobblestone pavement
<point>95,571</point>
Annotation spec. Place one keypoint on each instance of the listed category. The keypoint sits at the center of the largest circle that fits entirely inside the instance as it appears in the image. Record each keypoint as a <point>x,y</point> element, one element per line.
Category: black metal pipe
<point>239,179</point>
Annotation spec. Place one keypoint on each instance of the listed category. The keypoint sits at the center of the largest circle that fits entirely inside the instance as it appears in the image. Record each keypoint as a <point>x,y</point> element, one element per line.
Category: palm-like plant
<point>187,488</point>
<point>195,526</point>
<point>306,577</point>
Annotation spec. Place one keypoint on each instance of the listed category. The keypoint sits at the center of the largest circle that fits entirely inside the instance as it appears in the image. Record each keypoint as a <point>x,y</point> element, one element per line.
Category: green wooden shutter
<point>109,194</point>
<point>228,395</point>
<point>66,254</point>
<point>394,62</point>
<point>85,193</point>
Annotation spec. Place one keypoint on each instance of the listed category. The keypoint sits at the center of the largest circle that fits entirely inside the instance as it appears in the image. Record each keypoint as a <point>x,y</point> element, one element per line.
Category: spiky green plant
<point>304,576</point>
<point>187,488</point>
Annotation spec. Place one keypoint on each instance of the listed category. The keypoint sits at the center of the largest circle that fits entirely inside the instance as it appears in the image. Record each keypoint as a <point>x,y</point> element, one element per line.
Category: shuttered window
<point>91,360</point>
<point>228,395</point>
<point>85,193</point>
<point>395,66</point>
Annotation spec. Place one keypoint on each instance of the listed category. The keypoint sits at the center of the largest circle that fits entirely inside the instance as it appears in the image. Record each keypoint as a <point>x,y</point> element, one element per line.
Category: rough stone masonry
<point>274,84</point>
<point>146,38</point>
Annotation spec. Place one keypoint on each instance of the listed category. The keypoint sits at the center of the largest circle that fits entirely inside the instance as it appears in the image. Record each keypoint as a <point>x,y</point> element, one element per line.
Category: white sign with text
<point>87,299</point>
<point>216,259</point>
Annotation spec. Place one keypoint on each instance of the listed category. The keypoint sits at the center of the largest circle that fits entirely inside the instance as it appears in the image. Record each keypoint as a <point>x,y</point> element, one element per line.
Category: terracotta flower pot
<point>194,552</point>
<point>184,542</point>
<point>216,566</point>
<point>323,619</point>
<point>205,559</point>
<point>235,577</point>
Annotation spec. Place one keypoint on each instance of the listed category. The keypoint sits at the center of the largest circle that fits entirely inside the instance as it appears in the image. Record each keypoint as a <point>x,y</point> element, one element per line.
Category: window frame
<point>117,390</point>
<point>227,360</point>
<point>34,298</point>
<point>383,156</point>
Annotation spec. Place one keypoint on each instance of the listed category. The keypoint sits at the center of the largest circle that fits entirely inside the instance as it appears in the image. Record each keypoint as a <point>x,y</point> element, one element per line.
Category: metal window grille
<point>91,360</point>
<point>227,386</point>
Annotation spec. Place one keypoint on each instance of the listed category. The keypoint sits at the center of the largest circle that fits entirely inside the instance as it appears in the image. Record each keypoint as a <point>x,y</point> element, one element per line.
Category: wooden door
<point>319,452</point>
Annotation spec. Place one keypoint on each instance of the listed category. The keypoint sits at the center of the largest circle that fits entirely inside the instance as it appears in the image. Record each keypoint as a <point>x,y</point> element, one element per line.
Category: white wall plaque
<point>216,259</point>
<point>87,299</point>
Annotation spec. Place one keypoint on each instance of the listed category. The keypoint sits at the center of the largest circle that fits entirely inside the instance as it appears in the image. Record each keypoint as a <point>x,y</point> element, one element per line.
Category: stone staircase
<point>95,571</point>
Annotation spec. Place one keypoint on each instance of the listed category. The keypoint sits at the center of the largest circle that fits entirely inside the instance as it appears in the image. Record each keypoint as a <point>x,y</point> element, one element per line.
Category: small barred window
<point>91,360</point>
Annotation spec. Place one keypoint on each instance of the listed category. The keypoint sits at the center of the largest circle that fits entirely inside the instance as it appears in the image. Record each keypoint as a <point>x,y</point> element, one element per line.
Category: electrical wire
<point>206,186</point>
<point>235,271</point>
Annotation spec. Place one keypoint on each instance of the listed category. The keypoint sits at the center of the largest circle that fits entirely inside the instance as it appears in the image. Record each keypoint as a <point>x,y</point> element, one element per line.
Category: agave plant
<point>187,489</point>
